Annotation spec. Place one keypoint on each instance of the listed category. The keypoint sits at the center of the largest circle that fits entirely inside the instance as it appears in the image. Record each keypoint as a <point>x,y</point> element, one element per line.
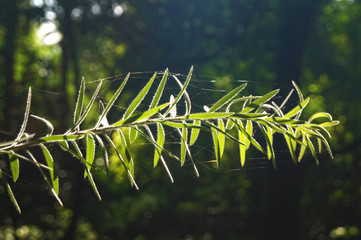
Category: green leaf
<point>242,147</point>
<point>195,132</point>
<point>79,102</point>
<point>303,147</point>
<point>150,138</point>
<point>50,185</point>
<point>268,133</point>
<point>160,142</point>
<point>207,115</point>
<point>90,153</point>
<point>133,133</point>
<point>91,180</point>
<point>141,116</point>
<point>112,100</point>
<point>212,126</point>
<point>221,137</point>
<point>216,147</point>
<point>122,161</point>
<point>312,148</point>
<point>48,124</point>
<point>159,91</point>
<point>133,106</point>
<point>250,138</point>
<point>14,164</point>
<point>320,115</point>
<point>291,144</point>
<point>300,95</point>
<point>329,124</point>
<point>10,193</point>
<point>228,97</point>
<point>183,134</point>
<point>26,116</point>
<point>104,152</point>
<point>260,101</point>
<point>64,145</point>
<point>61,138</point>
<point>180,94</point>
<point>90,104</point>
<point>297,109</point>
<point>50,163</point>
<point>249,130</point>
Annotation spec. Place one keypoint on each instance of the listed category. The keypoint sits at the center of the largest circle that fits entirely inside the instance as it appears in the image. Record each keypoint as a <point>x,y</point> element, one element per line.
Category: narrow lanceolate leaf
<point>329,124</point>
<point>259,101</point>
<point>64,145</point>
<point>216,147</point>
<point>249,130</point>
<point>91,180</point>
<point>291,144</point>
<point>14,164</point>
<point>50,163</point>
<point>10,193</point>
<point>26,116</point>
<point>159,91</point>
<point>112,100</point>
<point>128,160</point>
<point>104,152</point>
<point>297,109</point>
<point>212,126</point>
<point>133,133</point>
<point>207,115</point>
<point>61,138</point>
<point>160,142</point>
<point>181,92</point>
<point>194,132</point>
<point>242,147</point>
<point>320,115</point>
<point>151,139</point>
<point>90,153</point>
<point>172,107</point>
<point>188,103</point>
<point>79,102</point>
<point>268,133</point>
<point>48,124</point>
<point>312,149</point>
<point>300,95</point>
<point>228,97</point>
<point>50,185</point>
<point>221,137</point>
<point>141,116</point>
<point>122,161</point>
<point>250,138</point>
<point>88,107</point>
<point>303,148</point>
<point>138,99</point>
<point>184,135</point>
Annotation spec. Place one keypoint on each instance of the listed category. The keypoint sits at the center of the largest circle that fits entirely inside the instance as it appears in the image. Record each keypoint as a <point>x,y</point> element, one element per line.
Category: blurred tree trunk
<point>10,14</point>
<point>70,63</point>
<point>285,185</point>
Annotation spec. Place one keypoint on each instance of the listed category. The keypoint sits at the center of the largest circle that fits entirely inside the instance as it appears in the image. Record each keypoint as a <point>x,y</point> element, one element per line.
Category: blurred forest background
<point>50,45</point>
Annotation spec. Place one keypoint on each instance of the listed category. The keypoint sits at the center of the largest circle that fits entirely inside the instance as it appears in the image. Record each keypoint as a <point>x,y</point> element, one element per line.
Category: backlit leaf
<point>14,164</point>
<point>139,98</point>
<point>159,91</point>
<point>228,97</point>
<point>50,163</point>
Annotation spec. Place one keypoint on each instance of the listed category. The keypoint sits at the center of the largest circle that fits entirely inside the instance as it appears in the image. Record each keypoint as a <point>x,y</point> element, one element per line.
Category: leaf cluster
<point>223,124</point>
